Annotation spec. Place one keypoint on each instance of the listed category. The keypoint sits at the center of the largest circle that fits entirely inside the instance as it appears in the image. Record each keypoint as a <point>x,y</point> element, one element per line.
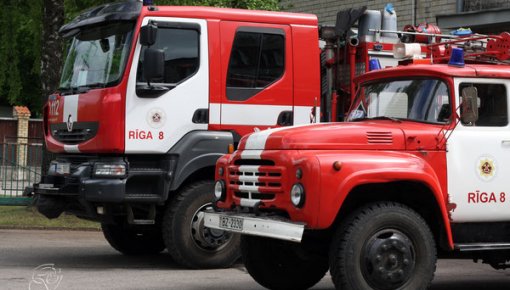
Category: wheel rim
<point>206,238</point>
<point>388,259</point>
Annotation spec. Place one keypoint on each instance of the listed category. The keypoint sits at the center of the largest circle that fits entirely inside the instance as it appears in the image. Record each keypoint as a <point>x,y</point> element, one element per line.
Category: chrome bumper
<point>270,227</point>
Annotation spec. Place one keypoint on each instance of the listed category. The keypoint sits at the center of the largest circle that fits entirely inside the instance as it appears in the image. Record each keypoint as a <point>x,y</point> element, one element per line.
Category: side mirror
<point>153,64</point>
<point>148,34</point>
<point>469,112</point>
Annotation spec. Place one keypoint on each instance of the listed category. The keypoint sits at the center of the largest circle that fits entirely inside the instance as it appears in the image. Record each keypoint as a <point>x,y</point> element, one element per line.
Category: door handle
<point>285,118</point>
<point>201,116</point>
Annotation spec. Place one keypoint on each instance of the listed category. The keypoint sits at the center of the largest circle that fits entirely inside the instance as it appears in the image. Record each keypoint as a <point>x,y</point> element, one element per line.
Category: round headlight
<point>219,190</point>
<point>297,195</point>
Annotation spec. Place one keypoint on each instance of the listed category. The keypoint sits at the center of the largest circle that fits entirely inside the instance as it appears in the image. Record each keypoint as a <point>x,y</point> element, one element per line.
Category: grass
<point>23,217</point>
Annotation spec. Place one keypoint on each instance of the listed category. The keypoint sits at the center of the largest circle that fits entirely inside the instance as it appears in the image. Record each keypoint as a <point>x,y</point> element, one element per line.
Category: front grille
<point>255,182</point>
<point>81,132</point>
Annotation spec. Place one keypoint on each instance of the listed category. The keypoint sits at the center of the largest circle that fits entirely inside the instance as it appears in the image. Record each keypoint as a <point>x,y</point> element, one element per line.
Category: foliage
<point>245,4</point>
<point>20,33</point>
<point>21,40</point>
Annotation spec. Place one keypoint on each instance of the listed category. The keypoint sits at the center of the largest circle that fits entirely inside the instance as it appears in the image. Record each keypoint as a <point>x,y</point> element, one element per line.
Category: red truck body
<point>409,176</point>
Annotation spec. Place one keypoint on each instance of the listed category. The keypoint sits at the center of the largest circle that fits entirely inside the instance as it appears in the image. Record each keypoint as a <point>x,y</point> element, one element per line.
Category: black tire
<point>188,241</point>
<point>130,240</point>
<point>278,265</point>
<point>383,246</point>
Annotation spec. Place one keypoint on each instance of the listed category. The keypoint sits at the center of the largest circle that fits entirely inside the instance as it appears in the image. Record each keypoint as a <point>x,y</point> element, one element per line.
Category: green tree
<point>20,23</point>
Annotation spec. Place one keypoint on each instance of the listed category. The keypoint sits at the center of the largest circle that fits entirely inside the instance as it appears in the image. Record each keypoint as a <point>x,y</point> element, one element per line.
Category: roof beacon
<point>457,57</point>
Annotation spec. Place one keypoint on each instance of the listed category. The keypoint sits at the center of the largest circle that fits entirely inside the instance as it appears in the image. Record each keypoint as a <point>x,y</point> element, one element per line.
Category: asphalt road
<point>83,260</point>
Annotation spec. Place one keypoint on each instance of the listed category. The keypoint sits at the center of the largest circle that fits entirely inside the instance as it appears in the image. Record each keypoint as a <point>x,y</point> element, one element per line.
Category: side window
<point>181,47</point>
<point>257,60</point>
<point>492,104</point>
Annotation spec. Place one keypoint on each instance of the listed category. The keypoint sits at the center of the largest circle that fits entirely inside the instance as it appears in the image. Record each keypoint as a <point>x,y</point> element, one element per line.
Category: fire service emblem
<point>156,118</point>
<point>486,168</point>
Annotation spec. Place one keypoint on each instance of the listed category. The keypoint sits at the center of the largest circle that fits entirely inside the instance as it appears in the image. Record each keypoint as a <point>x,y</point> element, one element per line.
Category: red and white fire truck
<point>150,97</point>
<point>417,172</point>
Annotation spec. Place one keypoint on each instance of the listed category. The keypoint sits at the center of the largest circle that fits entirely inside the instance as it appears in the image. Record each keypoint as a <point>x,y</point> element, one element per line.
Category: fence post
<point>22,114</point>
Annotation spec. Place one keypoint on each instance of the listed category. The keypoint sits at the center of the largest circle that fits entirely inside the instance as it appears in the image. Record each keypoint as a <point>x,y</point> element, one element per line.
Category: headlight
<point>113,170</point>
<point>297,195</point>
<point>219,190</point>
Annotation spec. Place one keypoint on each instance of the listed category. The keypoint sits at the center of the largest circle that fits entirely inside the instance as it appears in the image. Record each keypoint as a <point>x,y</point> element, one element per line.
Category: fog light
<point>219,190</point>
<point>297,195</point>
<point>114,170</point>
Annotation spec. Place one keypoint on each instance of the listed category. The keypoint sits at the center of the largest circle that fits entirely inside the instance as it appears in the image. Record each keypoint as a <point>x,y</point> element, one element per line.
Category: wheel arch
<point>197,154</point>
<point>415,194</point>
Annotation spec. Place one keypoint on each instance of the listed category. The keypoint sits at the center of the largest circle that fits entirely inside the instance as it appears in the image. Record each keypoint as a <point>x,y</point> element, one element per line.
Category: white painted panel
<point>70,108</point>
<point>469,188</point>
<point>176,107</point>
<point>261,115</point>
<point>303,114</point>
<point>214,113</point>
<point>71,149</point>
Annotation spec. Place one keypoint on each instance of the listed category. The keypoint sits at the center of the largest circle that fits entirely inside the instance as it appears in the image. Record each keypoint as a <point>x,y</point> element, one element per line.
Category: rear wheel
<point>131,240</point>
<point>188,241</point>
<point>383,246</point>
<point>277,264</point>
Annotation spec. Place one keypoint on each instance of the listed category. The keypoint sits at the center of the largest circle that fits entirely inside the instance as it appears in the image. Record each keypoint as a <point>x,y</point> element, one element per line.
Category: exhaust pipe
<point>354,41</point>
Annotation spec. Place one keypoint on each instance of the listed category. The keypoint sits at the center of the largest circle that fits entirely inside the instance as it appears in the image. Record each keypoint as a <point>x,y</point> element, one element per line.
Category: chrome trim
<point>270,227</point>
<point>482,246</point>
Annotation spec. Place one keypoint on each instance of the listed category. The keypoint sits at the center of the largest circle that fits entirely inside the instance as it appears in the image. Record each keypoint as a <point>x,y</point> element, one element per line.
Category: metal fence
<point>20,167</point>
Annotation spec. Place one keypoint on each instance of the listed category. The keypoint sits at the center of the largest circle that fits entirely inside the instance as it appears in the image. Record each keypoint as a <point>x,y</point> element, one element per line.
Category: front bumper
<point>251,224</point>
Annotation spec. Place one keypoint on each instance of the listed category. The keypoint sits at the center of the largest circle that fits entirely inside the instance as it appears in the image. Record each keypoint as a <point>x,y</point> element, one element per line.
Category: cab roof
<point>232,14</point>
<point>439,70</point>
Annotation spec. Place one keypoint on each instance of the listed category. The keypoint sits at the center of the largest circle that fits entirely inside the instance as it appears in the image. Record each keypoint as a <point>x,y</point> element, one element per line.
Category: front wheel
<point>132,240</point>
<point>188,241</point>
<point>383,246</point>
<point>277,264</point>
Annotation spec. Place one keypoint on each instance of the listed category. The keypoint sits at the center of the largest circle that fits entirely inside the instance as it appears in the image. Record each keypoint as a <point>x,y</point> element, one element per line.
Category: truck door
<point>157,121</point>
<point>257,77</point>
<point>478,156</point>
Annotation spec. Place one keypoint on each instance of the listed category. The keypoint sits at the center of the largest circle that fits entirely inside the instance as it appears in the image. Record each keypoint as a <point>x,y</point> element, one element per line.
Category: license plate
<point>231,223</point>
<point>62,168</point>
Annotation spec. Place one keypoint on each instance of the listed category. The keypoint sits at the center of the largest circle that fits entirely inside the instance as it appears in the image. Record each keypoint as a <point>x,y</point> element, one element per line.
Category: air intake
<point>379,138</point>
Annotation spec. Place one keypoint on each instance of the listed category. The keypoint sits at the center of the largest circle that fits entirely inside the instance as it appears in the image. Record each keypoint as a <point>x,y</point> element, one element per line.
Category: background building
<point>482,16</point>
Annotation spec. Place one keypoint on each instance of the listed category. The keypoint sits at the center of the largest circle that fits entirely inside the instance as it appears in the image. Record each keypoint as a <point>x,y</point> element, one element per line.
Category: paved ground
<point>83,260</point>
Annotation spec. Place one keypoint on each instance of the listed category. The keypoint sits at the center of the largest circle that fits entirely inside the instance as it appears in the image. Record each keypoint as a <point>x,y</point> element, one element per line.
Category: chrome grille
<point>255,182</point>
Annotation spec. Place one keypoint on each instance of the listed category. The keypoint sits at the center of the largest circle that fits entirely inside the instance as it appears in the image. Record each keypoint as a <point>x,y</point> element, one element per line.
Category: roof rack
<point>477,48</point>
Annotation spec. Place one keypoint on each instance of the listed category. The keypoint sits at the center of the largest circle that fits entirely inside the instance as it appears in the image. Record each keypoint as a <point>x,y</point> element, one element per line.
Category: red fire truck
<point>417,172</point>
<point>150,97</point>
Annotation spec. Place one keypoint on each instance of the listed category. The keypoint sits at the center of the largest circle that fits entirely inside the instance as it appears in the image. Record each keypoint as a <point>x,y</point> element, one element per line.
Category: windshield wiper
<point>378,118</point>
<point>81,89</point>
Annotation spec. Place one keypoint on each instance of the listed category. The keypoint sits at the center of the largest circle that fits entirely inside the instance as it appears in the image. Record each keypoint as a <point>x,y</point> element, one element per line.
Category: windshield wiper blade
<point>386,118</point>
<point>378,118</point>
<point>88,87</point>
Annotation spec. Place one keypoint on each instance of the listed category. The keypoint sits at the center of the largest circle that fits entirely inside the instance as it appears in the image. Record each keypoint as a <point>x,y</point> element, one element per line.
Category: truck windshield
<point>96,57</point>
<point>422,100</point>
